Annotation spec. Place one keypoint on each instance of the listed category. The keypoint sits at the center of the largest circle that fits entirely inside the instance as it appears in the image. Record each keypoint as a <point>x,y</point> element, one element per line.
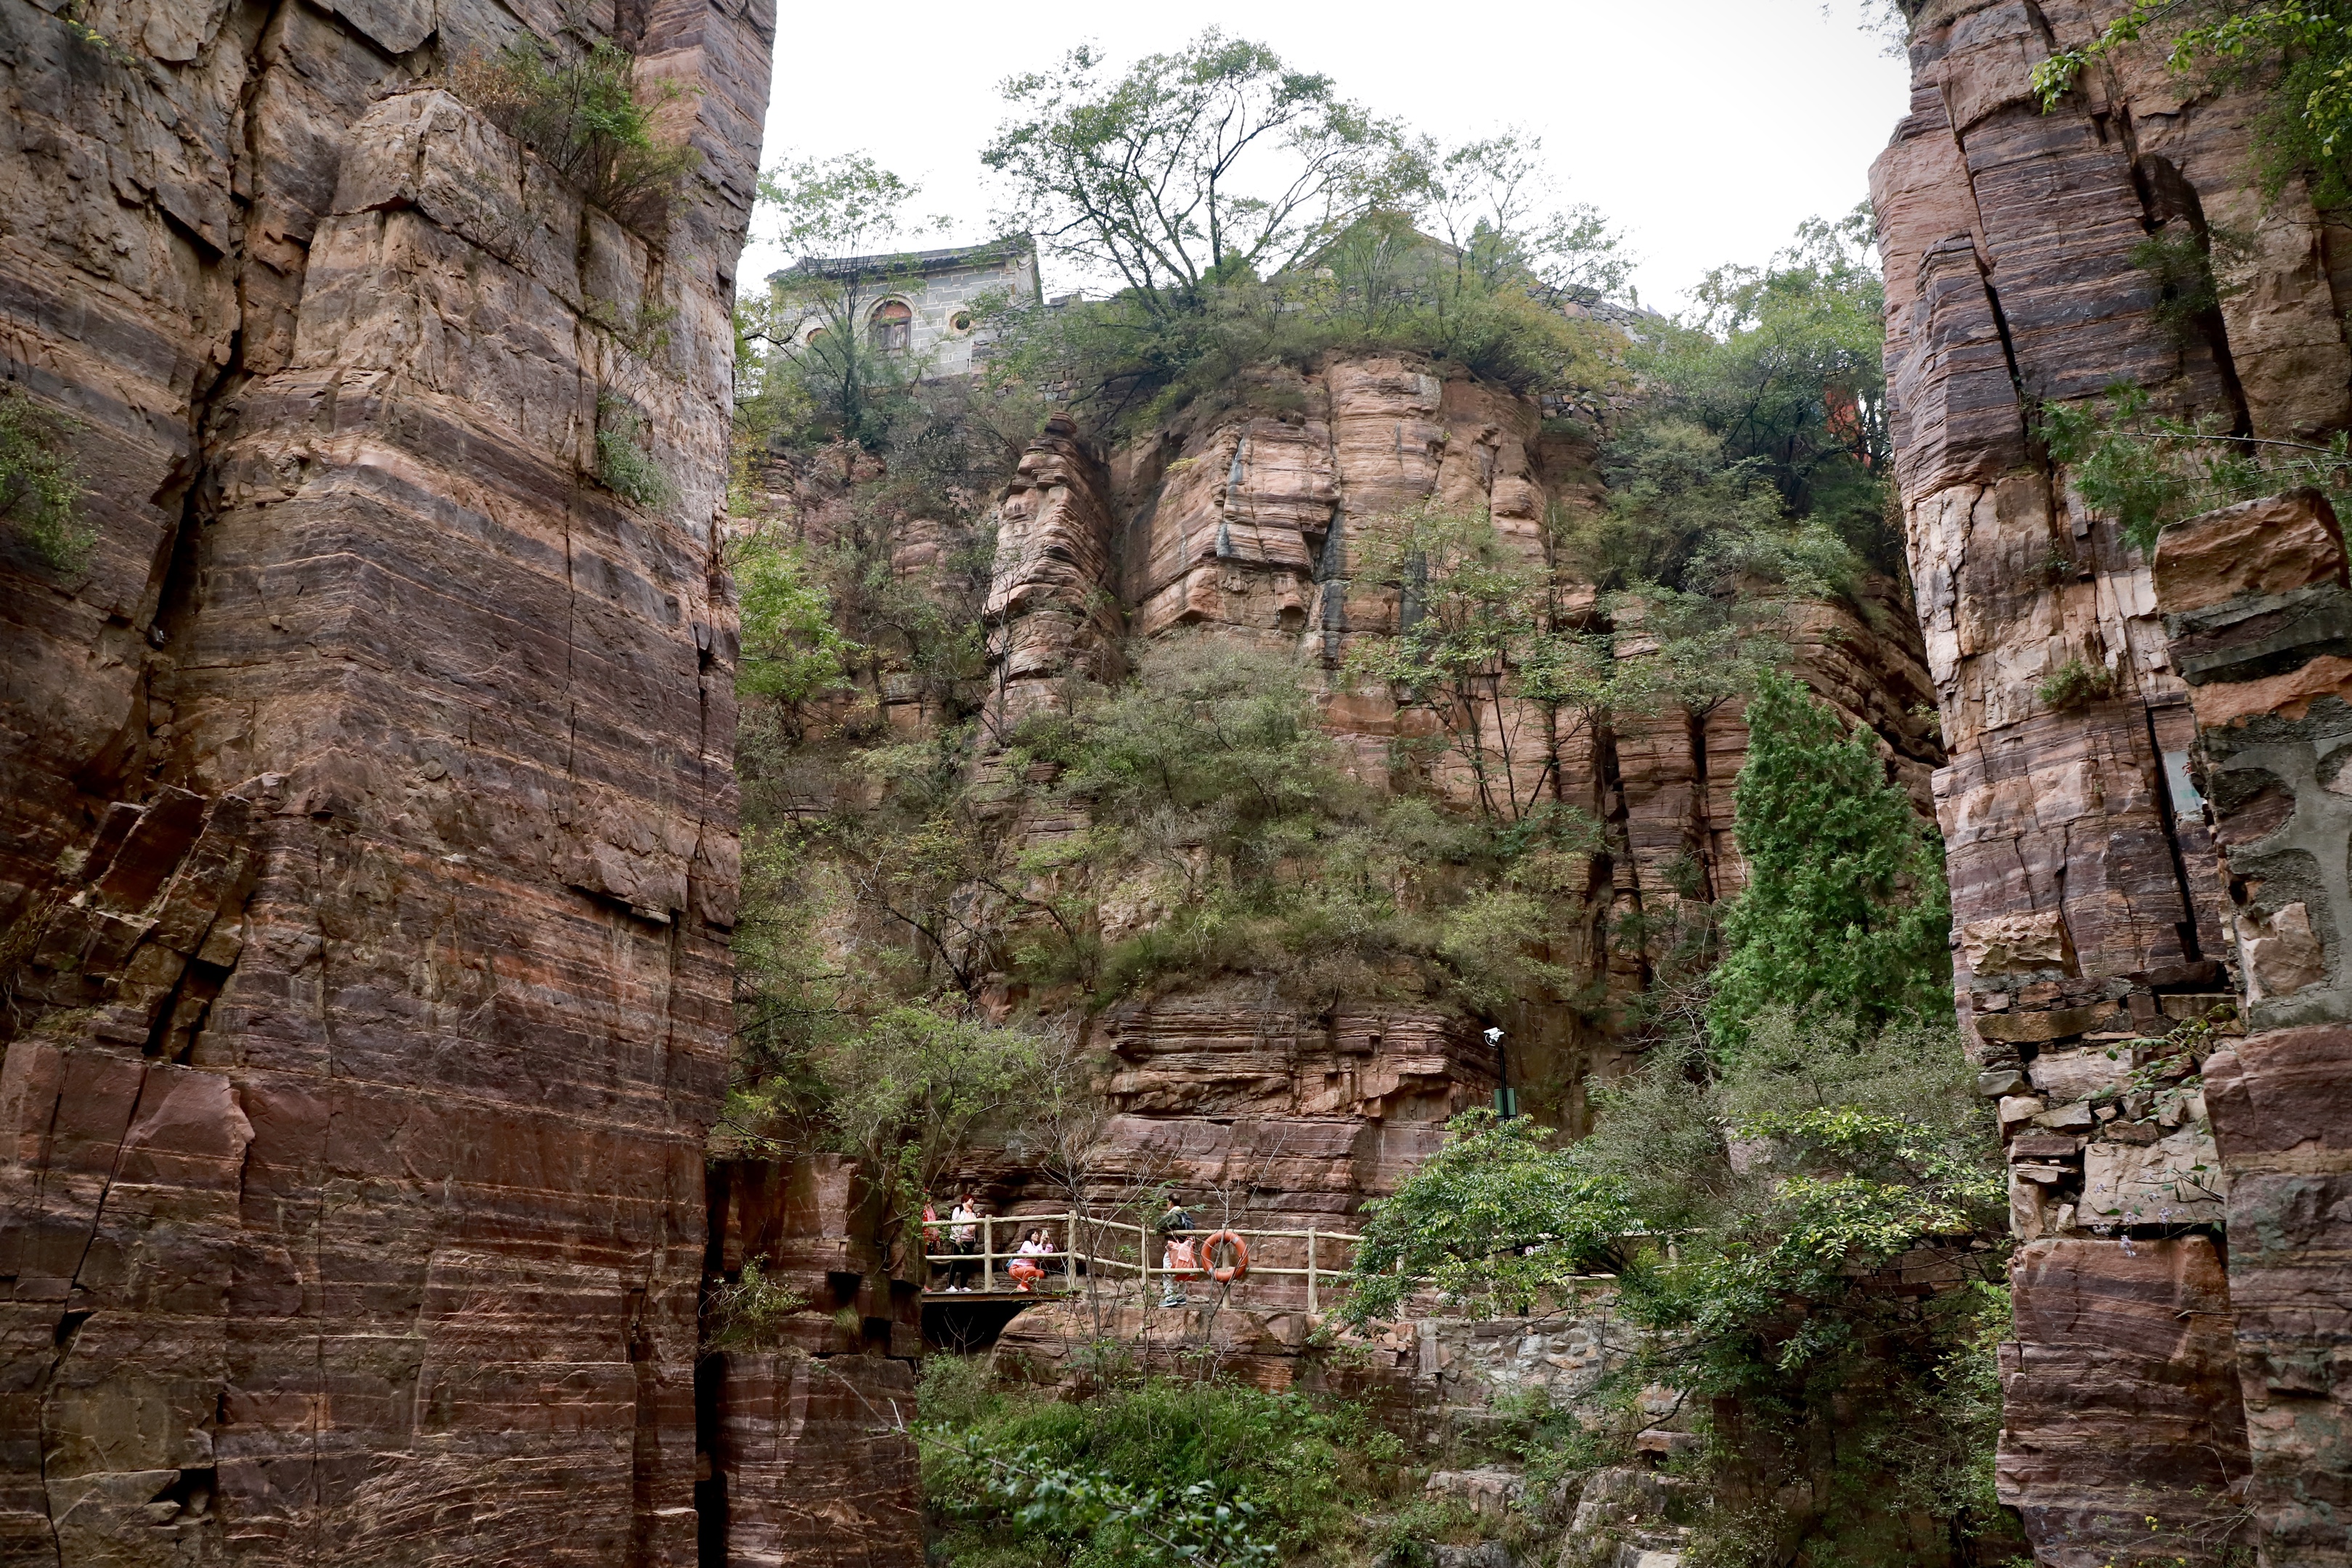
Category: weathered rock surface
<point>366,813</point>
<point>2102,709</point>
<point>2256,600</point>
<point>819,1470</point>
<point>809,1462</point>
<point>2086,1468</point>
<point>1248,523</point>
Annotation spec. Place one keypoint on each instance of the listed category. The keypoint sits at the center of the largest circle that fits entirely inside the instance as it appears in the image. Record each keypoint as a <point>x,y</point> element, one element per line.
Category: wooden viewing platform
<point>1118,1250</point>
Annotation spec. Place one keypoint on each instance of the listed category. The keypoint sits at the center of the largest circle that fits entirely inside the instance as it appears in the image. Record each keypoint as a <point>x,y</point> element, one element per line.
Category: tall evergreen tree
<point>1845,909</point>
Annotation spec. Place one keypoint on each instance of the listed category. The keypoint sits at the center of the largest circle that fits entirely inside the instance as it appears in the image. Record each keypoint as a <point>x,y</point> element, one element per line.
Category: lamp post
<point>1506,1099</point>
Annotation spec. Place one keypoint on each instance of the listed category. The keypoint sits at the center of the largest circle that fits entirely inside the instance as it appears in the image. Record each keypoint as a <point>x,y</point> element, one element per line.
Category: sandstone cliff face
<point>369,826</point>
<point>2089,889</point>
<point>2257,598</point>
<point>1247,523</point>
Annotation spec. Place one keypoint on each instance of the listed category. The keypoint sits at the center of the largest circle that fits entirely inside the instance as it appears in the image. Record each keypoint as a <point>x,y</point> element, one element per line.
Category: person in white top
<point>964,1236</point>
<point>1025,1268</point>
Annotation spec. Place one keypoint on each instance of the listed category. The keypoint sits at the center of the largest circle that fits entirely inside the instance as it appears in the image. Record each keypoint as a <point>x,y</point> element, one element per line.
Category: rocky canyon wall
<point>2111,820</point>
<point>367,825</point>
<point>1247,523</point>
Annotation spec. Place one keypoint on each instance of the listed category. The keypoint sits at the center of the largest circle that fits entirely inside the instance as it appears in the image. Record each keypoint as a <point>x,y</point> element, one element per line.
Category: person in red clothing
<point>1027,1266</point>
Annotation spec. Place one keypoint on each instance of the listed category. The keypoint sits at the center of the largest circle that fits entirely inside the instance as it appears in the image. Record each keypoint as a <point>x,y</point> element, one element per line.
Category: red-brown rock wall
<point>2087,886</point>
<point>369,847</point>
<point>1247,522</point>
<point>2257,600</point>
<point>808,1457</point>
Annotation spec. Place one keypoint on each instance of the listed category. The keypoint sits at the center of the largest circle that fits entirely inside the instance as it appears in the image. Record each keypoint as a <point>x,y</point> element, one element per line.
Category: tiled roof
<point>922,261</point>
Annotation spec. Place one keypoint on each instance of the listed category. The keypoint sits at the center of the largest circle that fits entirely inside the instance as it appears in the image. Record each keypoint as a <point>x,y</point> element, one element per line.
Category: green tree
<point>1213,161</point>
<point>1781,365</point>
<point>1480,646</point>
<point>1845,909</point>
<point>1491,202</point>
<point>792,653</point>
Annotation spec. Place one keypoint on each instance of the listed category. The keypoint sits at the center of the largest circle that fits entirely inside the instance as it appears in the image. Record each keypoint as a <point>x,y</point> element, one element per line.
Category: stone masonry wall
<point>367,826</point>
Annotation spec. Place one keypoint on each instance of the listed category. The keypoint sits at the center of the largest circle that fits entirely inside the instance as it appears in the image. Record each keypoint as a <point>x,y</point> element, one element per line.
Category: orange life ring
<point>1207,1249</point>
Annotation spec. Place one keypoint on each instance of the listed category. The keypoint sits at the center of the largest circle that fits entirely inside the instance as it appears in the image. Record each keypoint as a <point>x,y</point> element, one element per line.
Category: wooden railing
<point>1081,1249</point>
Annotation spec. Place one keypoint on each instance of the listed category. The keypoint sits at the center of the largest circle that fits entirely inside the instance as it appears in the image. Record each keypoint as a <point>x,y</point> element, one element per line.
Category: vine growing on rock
<point>41,485</point>
<point>2145,468</point>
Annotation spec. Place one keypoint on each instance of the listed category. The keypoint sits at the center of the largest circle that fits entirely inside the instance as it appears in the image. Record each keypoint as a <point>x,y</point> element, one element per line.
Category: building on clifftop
<point>930,304</point>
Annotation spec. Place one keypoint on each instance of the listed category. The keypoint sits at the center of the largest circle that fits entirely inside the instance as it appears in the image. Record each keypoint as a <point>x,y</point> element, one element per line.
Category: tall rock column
<point>2085,889</point>
<point>2259,603</point>
<point>370,824</point>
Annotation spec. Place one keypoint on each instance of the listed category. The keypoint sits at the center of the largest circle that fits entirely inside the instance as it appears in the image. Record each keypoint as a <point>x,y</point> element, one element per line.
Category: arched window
<point>892,326</point>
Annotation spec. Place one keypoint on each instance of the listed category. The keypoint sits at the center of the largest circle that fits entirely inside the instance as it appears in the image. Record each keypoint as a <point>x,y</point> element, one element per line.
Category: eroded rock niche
<point>367,826</point>
<point>2137,809</point>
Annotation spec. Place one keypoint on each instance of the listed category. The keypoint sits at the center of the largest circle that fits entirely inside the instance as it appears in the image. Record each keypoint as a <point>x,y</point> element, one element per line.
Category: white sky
<point>1707,129</point>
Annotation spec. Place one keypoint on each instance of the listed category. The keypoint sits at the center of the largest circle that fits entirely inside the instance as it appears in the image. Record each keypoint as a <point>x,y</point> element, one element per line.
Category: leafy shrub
<point>1494,1219</point>
<point>2074,684</point>
<point>624,466</point>
<point>39,487</point>
<point>1157,1470</point>
<point>590,121</point>
<point>750,1313</point>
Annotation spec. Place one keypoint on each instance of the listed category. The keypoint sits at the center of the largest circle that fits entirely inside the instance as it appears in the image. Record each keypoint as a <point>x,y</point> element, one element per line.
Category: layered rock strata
<point>1250,523</point>
<point>2087,892</point>
<point>368,825</point>
<point>808,1458</point>
<point>2258,603</point>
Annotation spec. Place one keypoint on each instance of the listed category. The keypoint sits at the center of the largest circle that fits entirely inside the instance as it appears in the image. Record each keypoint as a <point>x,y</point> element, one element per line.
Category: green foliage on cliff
<point>2145,469</point>
<point>1785,1173</point>
<point>1157,1470</point>
<point>751,1312</point>
<point>580,107</point>
<point>1760,455</point>
<point>1219,805</point>
<point>625,463</point>
<point>1845,909</point>
<point>40,485</point>
<point>2298,52</point>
